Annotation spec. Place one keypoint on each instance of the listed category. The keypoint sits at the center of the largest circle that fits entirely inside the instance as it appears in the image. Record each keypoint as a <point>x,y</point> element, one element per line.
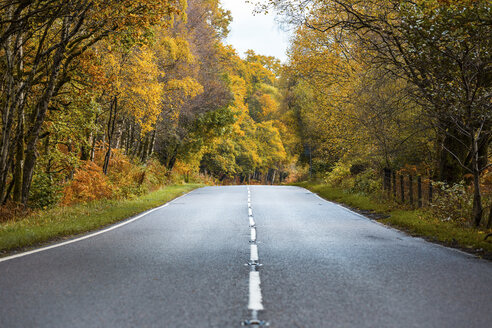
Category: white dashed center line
<point>254,253</point>
<point>253,235</point>
<point>251,221</point>
<point>255,302</point>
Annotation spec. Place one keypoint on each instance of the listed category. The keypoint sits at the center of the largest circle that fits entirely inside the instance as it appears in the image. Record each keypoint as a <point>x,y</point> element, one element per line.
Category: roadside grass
<point>64,222</point>
<point>417,222</point>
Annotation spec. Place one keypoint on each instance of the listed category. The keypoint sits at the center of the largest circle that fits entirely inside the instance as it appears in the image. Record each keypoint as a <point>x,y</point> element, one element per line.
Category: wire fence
<point>414,190</point>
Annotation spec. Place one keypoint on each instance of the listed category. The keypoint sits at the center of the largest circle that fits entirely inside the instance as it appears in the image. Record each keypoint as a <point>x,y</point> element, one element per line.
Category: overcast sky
<point>258,32</point>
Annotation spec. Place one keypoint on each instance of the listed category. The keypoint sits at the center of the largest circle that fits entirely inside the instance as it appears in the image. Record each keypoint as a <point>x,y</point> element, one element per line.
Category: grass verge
<point>415,222</point>
<point>64,222</point>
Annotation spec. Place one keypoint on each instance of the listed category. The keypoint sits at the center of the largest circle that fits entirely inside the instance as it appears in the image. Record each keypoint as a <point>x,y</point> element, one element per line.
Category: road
<point>185,265</point>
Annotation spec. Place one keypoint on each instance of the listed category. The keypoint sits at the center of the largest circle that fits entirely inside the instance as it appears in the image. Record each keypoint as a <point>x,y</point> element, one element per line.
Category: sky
<point>259,32</point>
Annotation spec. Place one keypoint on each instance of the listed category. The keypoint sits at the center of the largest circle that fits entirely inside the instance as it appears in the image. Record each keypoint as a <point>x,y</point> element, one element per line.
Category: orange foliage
<point>486,181</point>
<point>182,168</point>
<point>130,179</point>
<point>13,211</point>
<point>89,184</point>
<point>127,177</point>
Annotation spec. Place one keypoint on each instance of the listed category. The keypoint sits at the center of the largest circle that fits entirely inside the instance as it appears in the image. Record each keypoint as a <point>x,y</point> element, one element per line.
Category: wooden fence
<point>411,189</point>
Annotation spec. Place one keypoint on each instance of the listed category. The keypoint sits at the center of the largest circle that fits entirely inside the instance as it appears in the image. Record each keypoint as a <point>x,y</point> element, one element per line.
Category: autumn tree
<point>180,133</point>
<point>40,43</point>
<point>441,47</point>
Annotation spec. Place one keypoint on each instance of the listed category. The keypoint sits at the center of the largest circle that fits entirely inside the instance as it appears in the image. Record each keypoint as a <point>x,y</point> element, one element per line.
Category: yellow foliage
<point>268,105</point>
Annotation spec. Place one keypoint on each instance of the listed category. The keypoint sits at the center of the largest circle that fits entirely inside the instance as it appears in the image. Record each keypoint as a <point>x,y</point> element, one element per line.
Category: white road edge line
<point>393,229</point>
<point>11,257</point>
<point>255,301</point>
<point>251,222</point>
<point>250,211</point>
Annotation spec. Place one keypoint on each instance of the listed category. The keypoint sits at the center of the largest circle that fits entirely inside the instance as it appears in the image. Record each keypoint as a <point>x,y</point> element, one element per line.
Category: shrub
<point>126,177</point>
<point>339,175</point>
<point>453,203</point>
<point>44,191</point>
<point>89,184</point>
<point>367,182</point>
<point>13,211</point>
<point>156,174</point>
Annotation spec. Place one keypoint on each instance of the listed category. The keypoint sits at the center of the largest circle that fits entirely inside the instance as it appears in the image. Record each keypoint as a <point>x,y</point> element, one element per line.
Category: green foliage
<point>216,123</point>
<point>44,191</point>
<point>339,174</point>
<point>220,161</point>
<point>248,137</point>
<point>395,83</point>
<point>367,182</point>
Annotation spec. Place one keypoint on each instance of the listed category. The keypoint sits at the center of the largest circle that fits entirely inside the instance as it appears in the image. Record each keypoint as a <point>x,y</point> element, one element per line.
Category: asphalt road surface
<point>186,265</point>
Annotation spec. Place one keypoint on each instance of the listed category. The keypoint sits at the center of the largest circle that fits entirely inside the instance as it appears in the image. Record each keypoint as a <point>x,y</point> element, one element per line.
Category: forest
<point>113,99</point>
<point>106,99</point>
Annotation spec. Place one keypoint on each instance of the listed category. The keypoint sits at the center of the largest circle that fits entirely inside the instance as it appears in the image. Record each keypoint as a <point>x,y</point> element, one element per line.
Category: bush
<point>453,203</point>
<point>44,191</point>
<point>89,184</point>
<point>133,179</point>
<point>339,175</point>
<point>357,178</point>
<point>367,182</point>
<point>126,177</point>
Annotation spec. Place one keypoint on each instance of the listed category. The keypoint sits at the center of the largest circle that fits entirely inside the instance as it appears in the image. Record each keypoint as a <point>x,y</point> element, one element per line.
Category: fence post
<point>402,187</point>
<point>419,190</point>
<point>430,191</point>
<point>410,188</point>
<point>394,184</point>
<point>386,179</point>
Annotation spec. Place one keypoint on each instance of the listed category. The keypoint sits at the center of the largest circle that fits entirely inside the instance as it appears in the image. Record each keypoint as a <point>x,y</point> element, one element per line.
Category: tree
<point>41,42</point>
<point>441,47</point>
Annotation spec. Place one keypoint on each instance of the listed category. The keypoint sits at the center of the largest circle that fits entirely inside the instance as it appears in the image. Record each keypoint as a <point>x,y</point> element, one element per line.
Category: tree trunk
<point>40,113</point>
<point>19,156</point>
<point>130,138</point>
<point>450,170</point>
<point>152,143</point>
<point>93,147</point>
<point>119,137</point>
<point>172,160</point>
<point>19,147</point>
<point>84,151</point>
<point>477,195</point>
<point>483,150</point>
<point>145,148</point>
<point>7,110</point>
<point>71,174</point>
<point>489,222</point>
<point>111,125</point>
